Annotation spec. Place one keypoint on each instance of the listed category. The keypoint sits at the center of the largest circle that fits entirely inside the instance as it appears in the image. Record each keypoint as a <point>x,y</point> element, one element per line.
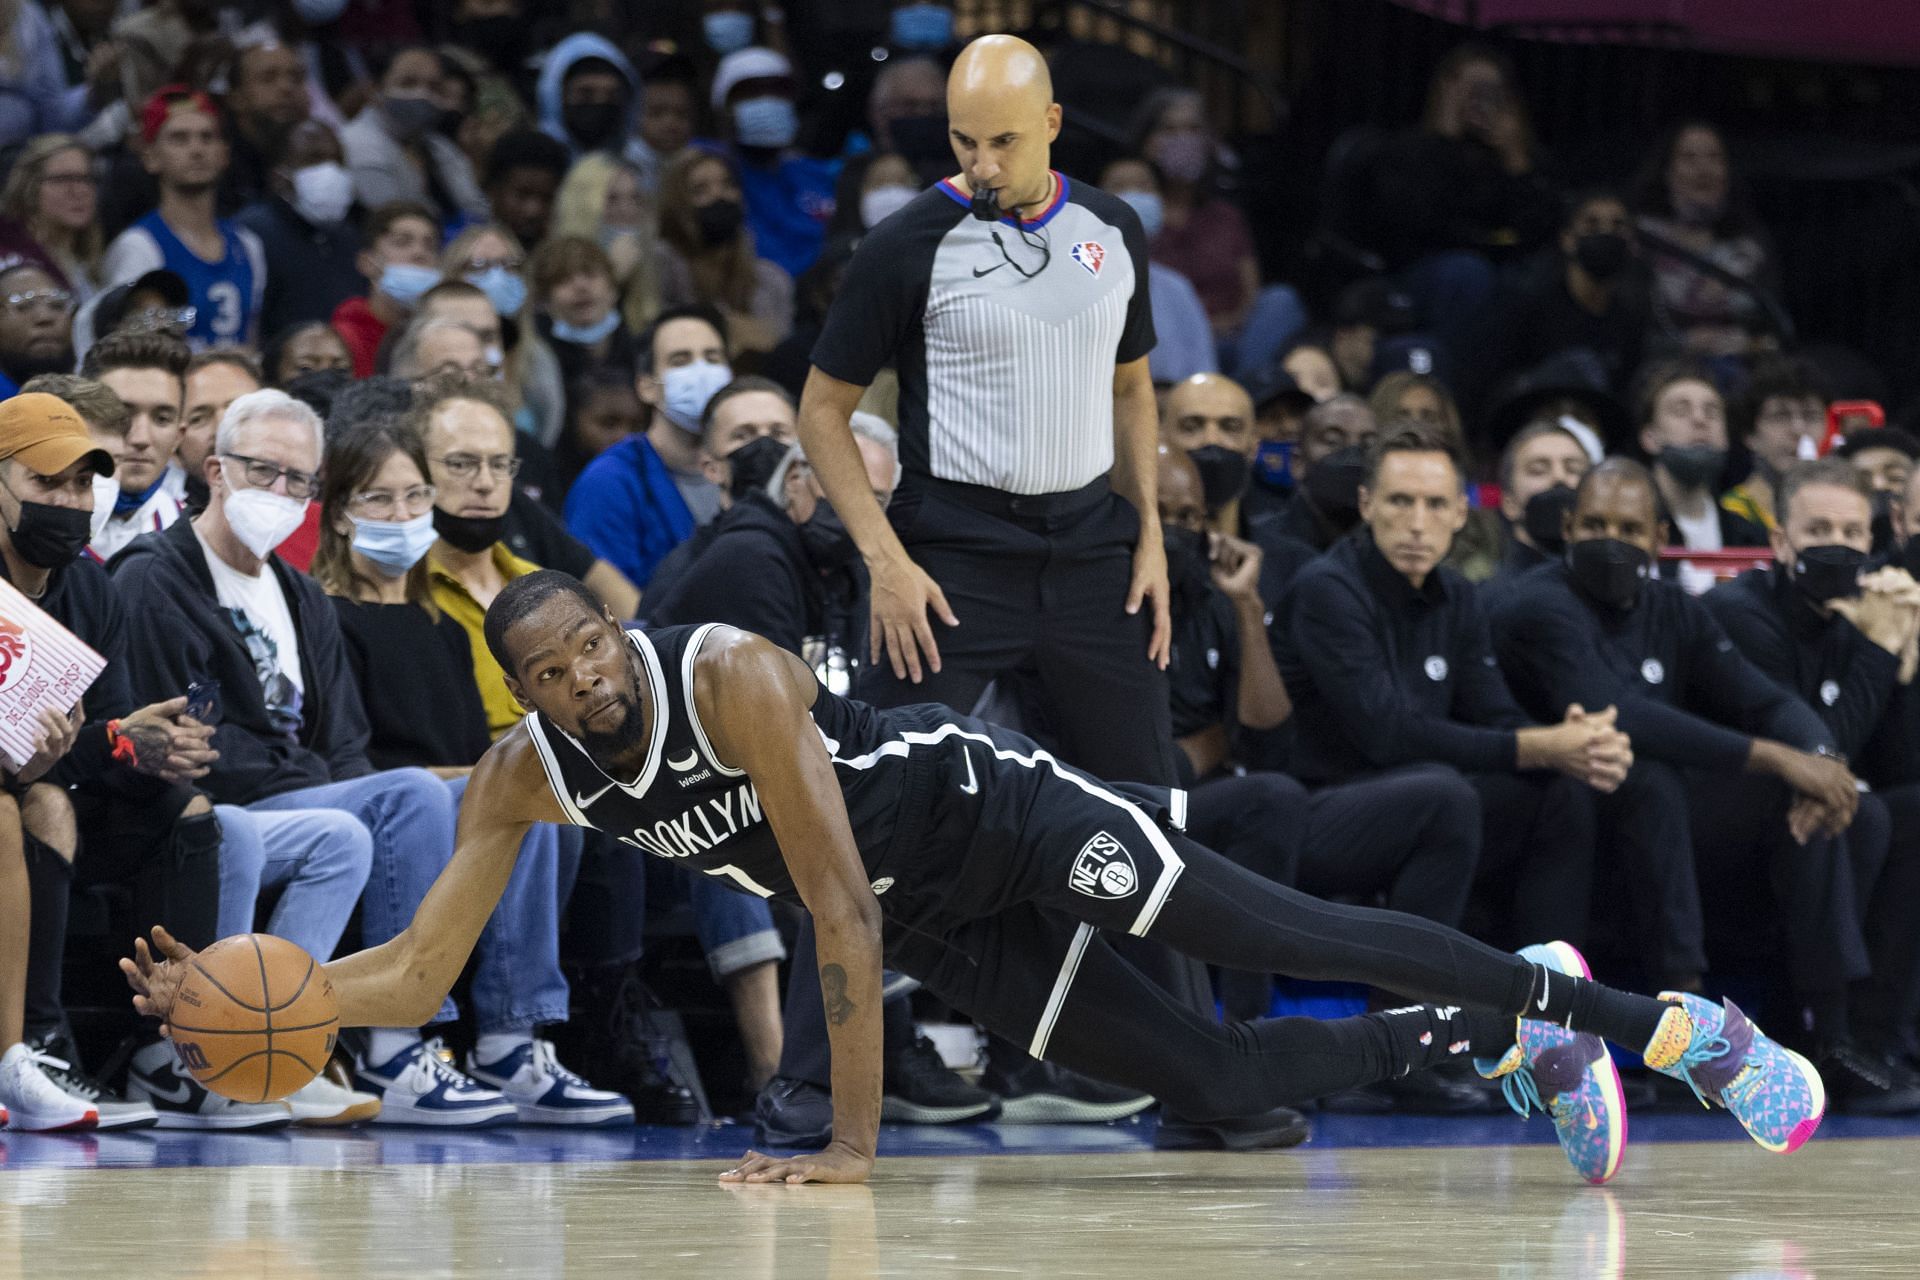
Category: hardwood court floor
<point>1839,1207</point>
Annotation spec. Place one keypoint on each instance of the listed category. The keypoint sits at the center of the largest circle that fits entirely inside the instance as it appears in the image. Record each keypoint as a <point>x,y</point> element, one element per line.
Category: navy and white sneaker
<point>181,1102</point>
<point>418,1086</point>
<point>544,1092</point>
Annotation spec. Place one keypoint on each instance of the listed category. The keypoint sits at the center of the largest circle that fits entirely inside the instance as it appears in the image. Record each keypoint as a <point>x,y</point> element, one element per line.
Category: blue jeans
<point>318,858</point>
<point>735,930</point>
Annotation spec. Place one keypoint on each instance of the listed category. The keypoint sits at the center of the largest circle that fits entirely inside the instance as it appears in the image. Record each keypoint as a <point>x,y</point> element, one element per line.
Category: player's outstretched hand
<point>155,983</point>
<point>838,1163</point>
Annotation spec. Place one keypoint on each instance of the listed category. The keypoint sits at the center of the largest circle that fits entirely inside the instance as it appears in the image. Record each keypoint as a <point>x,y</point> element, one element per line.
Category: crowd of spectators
<point>1531,583</point>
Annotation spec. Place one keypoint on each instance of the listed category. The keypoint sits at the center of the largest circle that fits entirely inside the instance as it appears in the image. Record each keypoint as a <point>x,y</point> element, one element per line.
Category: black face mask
<point>719,222</point>
<point>1882,525</point>
<point>828,544</point>
<point>471,534</point>
<point>1546,518</point>
<point>499,38</point>
<point>1188,573</point>
<point>449,124</point>
<point>49,536</point>
<point>922,142</point>
<point>753,464</point>
<point>1602,255</point>
<point>1609,571</point>
<point>1223,474</point>
<point>1693,466</point>
<point>1333,486</point>
<point>594,125</point>
<point>1908,556</point>
<point>1828,572</point>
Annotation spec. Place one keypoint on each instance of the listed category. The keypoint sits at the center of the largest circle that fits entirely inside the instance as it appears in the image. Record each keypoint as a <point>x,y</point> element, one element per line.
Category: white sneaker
<point>115,1111</point>
<point>322,1101</point>
<point>544,1092</point>
<point>154,1076</point>
<point>416,1086</point>
<point>36,1103</point>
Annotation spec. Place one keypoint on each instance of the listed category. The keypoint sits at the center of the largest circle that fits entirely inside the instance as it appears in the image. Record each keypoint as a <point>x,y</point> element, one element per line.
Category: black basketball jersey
<point>706,816</point>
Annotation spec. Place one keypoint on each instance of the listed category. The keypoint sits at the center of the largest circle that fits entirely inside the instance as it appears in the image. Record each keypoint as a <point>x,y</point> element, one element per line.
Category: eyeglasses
<point>262,474</point>
<point>151,319</point>
<point>477,266</point>
<point>383,504</point>
<point>478,371</point>
<point>465,466</point>
<point>48,302</point>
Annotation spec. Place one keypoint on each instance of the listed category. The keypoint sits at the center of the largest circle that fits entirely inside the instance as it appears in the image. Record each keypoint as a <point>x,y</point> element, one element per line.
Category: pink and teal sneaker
<point>1774,1093</point>
<point>1568,1075</point>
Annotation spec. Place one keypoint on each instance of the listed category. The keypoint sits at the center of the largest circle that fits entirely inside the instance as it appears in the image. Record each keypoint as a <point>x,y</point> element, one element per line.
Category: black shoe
<point>793,1113</point>
<point>1042,1093</point>
<point>1443,1092</point>
<point>634,1048</point>
<point>921,1089</point>
<point>1361,1100</point>
<point>1865,1084</point>
<point>1638,1091</point>
<point>1273,1130</point>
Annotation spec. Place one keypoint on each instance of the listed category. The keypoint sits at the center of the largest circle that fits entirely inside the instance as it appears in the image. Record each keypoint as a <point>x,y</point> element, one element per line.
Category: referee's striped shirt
<point>1006,380</point>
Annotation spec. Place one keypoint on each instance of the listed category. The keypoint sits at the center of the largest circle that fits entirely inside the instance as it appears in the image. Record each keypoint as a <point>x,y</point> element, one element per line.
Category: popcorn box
<point>42,664</point>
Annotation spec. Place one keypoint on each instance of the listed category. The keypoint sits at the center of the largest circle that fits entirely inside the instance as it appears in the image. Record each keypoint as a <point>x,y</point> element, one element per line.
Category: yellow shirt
<point>458,603</point>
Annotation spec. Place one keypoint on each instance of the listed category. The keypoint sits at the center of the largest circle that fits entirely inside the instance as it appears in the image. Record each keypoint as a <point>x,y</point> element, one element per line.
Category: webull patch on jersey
<point>1104,869</point>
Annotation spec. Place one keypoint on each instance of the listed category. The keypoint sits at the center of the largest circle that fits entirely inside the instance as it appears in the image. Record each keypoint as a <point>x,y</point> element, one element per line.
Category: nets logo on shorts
<point>1089,254</point>
<point>1104,869</point>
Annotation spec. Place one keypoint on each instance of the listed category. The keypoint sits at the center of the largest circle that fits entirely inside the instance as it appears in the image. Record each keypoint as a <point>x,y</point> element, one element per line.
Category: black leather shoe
<point>1444,1092</point>
<point>1273,1130</point>
<point>1865,1084</point>
<point>1361,1100</point>
<point>793,1113</point>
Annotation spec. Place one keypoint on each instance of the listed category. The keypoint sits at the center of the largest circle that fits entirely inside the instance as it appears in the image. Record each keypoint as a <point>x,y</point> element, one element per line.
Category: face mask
<point>727,31</point>
<point>770,122</point>
<point>922,141</point>
<point>586,335</point>
<point>410,117</point>
<point>828,544</point>
<point>1182,156</point>
<point>1152,210</point>
<point>1273,465</point>
<point>262,519</point>
<point>1882,525</point>
<point>1333,486</point>
<point>1602,255</point>
<point>506,292</point>
<point>106,493</point>
<point>1188,576</point>
<point>394,545</point>
<point>881,201</point>
<point>1223,474</point>
<point>499,37</point>
<point>1609,571</point>
<point>1693,466</point>
<point>322,193</point>
<point>1545,519</point>
<point>471,534</point>
<point>718,222</point>
<point>686,390</point>
<point>753,464</point>
<point>921,26</point>
<point>1908,556</point>
<point>318,13</point>
<point>48,536</point>
<point>594,125</point>
<point>1828,572</point>
<point>404,282</point>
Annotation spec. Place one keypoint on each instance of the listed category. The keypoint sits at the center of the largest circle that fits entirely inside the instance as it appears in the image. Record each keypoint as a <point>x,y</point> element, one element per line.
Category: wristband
<point>124,749</point>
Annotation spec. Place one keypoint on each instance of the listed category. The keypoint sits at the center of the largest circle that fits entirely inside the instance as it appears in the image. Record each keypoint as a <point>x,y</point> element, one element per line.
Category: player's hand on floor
<point>836,1164</point>
<point>155,983</point>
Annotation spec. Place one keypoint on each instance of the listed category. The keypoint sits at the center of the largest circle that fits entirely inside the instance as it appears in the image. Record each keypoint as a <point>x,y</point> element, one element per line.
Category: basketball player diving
<point>965,855</point>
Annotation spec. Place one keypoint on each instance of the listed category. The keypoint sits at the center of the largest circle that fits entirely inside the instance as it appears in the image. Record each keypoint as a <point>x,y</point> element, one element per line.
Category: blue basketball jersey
<point>222,293</point>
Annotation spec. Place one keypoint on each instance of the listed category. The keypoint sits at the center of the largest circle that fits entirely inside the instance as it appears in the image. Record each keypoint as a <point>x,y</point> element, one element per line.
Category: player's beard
<point>607,746</point>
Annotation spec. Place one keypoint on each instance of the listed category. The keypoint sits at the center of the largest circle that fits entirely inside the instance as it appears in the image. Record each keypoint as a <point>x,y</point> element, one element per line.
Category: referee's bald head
<point>1002,119</point>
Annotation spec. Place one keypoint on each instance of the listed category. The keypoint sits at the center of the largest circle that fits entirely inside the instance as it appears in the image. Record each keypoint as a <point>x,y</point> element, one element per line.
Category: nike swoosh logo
<point>180,1094</point>
<point>977,272</point>
<point>1546,989</point>
<point>685,763</point>
<point>972,787</point>
<point>581,802</point>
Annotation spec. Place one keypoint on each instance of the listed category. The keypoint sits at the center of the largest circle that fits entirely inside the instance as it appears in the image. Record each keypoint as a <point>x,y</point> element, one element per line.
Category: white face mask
<point>322,193</point>
<point>106,492</point>
<point>262,519</point>
<point>881,201</point>
<point>687,388</point>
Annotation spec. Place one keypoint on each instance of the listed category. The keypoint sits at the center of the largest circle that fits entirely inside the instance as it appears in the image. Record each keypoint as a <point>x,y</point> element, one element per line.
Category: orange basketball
<point>255,1019</point>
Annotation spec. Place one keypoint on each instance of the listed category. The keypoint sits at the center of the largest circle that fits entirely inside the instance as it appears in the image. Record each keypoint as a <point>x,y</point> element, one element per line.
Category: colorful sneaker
<point>1569,1075</point>
<point>1775,1094</point>
<point>418,1086</point>
<point>544,1092</point>
<point>36,1103</point>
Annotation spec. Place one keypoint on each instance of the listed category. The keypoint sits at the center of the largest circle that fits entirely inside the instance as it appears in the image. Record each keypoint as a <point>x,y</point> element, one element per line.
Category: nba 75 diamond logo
<point>1089,254</point>
<point>1104,869</point>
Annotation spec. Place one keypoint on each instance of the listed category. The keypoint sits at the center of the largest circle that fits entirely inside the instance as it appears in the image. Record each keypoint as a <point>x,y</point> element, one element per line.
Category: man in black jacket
<point>1389,662</point>
<point>1836,640</point>
<point>302,221</point>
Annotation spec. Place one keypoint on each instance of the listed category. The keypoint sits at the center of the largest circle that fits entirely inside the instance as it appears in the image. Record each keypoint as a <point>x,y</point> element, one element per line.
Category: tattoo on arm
<point>833,989</point>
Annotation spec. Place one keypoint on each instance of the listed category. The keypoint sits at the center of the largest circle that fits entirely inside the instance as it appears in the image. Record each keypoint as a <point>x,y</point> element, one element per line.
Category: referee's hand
<point>1150,582</point>
<point>901,594</point>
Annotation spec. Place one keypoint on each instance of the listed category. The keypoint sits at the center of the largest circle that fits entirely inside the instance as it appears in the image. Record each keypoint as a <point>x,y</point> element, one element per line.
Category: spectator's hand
<point>1825,781</point>
<point>1150,583</point>
<point>1606,755</point>
<point>168,743</point>
<point>1885,611</point>
<point>155,983</point>
<point>838,1163</point>
<point>900,595</point>
<point>1236,567</point>
<point>1808,818</point>
<point>57,734</point>
<point>102,74</point>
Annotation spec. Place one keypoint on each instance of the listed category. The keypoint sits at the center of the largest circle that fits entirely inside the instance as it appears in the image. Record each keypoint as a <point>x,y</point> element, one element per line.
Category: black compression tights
<point>1117,1025</point>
